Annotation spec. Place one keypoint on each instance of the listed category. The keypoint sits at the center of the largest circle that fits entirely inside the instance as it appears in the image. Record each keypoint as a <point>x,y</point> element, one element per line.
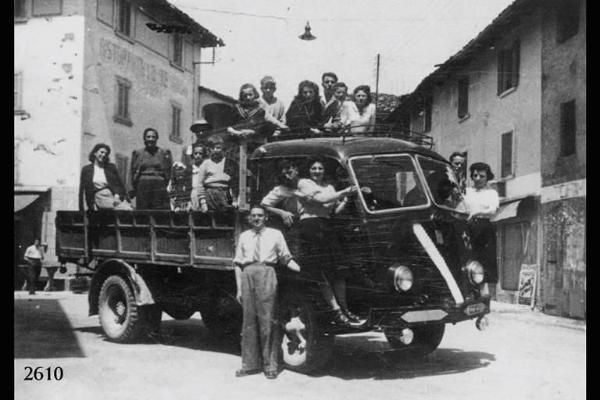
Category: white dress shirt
<point>265,246</point>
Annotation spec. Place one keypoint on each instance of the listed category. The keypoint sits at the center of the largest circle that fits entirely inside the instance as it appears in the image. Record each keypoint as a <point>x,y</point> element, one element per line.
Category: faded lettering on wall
<point>154,79</point>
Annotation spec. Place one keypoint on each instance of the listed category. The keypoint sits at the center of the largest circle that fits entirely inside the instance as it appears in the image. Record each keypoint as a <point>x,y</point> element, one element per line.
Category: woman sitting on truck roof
<point>306,111</point>
<point>100,183</point>
<point>359,115</point>
<point>248,115</point>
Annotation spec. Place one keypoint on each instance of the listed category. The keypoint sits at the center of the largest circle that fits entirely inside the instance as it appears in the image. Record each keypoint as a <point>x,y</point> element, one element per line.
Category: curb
<point>526,314</point>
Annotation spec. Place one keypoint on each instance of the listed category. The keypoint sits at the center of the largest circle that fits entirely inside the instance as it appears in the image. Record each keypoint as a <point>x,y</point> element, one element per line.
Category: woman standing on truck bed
<point>321,250</point>
<point>100,183</point>
<point>151,170</point>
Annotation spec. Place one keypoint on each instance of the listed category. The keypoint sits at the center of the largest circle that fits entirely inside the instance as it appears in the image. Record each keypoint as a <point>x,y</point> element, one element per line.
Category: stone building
<point>514,97</point>
<point>91,71</point>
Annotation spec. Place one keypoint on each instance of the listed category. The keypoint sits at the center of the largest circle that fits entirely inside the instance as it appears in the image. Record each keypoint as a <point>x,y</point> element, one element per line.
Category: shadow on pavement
<point>395,365</point>
<point>42,330</point>
<point>191,334</point>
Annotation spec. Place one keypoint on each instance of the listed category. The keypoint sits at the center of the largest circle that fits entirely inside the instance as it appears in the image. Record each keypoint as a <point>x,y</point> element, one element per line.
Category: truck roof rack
<point>379,130</point>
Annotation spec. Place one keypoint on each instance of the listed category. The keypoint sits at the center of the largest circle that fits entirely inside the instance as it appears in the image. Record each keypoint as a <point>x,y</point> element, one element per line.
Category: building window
<point>124,17</point>
<point>567,128</point>
<point>47,7</point>
<point>508,67</point>
<point>506,169</point>
<point>18,89</point>
<point>175,123</point>
<point>122,104</point>
<point>177,56</point>
<point>463,97</point>
<point>427,108</point>
<point>567,19</point>
<point>20,9</point>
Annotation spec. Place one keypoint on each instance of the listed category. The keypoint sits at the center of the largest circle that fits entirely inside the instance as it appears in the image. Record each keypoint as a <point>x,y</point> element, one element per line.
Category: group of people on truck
<point>205,179</point>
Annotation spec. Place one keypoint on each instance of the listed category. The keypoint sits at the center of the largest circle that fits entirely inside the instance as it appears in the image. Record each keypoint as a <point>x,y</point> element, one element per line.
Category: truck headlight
<point>475,272</point>
<point>402,278</point>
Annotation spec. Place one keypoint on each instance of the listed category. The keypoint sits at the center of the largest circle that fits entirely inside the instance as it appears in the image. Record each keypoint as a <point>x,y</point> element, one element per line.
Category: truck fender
<point>143,295</point>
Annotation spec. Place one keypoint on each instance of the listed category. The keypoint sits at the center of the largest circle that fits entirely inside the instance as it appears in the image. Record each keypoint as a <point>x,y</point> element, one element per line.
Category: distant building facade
<point>499,100</point>
<point>88,72</point>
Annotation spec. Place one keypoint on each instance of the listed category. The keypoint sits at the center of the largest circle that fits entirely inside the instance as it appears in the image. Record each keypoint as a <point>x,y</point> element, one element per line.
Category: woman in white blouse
<point>359,115</point>
<point>322,254</point>
<point>482,202</point>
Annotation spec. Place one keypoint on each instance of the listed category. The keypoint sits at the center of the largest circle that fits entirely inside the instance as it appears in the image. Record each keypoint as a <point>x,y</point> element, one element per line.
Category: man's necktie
<point>257,248</point>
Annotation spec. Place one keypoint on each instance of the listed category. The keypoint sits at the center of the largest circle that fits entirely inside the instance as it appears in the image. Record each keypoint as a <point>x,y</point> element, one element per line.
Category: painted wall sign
<point>153,78</point>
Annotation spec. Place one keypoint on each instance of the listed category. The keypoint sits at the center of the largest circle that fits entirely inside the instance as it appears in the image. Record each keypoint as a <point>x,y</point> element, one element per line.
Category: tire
<point>122,320</point>
<point>222,315</point>
<point>178,312</point>
<point>427,338</point>
<point>304,348</point>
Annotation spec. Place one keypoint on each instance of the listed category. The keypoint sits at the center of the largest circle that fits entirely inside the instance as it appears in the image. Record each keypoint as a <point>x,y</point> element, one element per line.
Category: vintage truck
<point>411,268</point>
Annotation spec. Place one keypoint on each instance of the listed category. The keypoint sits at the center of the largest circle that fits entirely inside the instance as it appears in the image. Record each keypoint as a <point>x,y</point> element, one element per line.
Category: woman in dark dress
<point>100,184</point>
<point>306,111</point>
<point>151,171</point>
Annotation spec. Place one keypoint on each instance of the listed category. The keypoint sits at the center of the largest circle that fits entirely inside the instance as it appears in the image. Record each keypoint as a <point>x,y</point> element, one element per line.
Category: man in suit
<point>150,173</point>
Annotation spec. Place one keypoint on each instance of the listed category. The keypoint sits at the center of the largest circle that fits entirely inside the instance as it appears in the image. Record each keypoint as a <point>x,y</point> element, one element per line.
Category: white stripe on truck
<point>439,262</point>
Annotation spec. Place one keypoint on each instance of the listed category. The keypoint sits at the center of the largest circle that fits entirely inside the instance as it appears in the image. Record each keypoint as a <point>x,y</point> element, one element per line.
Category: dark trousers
<point>33,273</point>
<point>483,241</point>
<point>151,194</point>
<point>260,333</point>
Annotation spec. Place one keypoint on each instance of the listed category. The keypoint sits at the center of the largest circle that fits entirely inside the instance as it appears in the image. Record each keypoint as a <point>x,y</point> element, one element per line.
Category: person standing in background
<point>34,255</point>
<point>459,163</point>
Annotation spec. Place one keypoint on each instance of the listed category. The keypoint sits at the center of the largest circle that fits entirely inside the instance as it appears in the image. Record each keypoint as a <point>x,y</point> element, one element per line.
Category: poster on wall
<point>527,282</point>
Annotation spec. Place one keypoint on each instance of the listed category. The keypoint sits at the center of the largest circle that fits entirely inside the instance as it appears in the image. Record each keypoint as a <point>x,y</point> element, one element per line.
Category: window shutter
<point>516,55</point>
<point>506,168</point>
<point>500,71</point>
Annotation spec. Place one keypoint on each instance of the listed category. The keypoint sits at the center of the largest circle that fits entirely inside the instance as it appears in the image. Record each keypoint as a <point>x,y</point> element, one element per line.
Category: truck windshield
<point>442,184</point>
<point>388,182</point>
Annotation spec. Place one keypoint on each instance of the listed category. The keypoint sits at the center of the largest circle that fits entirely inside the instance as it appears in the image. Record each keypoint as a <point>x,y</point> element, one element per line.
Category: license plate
<point>475,309</point>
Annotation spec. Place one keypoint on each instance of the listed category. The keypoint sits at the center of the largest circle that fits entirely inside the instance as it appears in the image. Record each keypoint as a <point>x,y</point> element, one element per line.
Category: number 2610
<point>41,374</point>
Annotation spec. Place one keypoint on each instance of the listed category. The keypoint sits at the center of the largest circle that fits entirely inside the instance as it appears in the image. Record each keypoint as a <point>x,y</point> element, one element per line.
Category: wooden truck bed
<point>150,237</point>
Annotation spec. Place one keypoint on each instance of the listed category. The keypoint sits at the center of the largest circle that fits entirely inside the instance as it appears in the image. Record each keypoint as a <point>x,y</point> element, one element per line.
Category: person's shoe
<point>339,318</point>
<point>351,316</point>
<point>245,372</point>
<point>271,374</point>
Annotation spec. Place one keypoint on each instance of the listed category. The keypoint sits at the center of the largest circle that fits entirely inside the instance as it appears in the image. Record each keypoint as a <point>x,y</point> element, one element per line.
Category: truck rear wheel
<point>305,349</point>
<point>120,317</point>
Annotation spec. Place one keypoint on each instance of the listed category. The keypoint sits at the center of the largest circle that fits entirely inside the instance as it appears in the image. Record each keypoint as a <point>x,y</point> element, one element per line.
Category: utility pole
<point>377,87</point>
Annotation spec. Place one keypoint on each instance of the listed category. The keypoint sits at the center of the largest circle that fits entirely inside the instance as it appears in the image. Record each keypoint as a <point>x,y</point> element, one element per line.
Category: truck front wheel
<point>305,349</point>
<point>120,317</point>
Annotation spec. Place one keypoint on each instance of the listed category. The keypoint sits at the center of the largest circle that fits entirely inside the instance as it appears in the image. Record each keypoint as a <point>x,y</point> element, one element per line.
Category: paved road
<point>522,356</point>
